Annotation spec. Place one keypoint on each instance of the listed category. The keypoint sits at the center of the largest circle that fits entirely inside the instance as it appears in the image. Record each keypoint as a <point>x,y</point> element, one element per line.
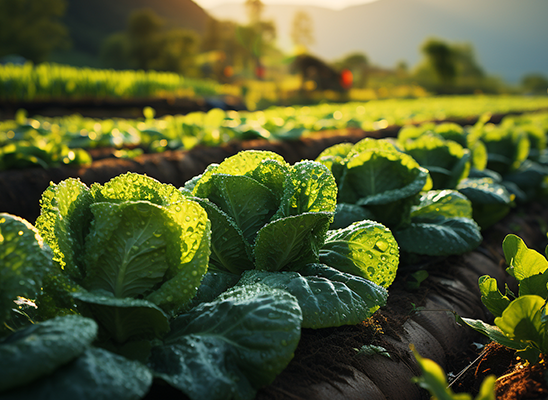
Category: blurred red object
<point>260,71</point>
<point>228,71</point>
<point>346,78</point>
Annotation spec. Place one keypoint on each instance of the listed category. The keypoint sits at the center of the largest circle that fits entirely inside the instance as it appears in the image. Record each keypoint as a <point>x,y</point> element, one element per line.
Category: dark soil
<point>118,108</point>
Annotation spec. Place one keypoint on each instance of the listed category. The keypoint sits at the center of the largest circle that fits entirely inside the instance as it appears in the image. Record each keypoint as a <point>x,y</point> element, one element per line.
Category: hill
<point>509,36</point>
<point>90,22</point>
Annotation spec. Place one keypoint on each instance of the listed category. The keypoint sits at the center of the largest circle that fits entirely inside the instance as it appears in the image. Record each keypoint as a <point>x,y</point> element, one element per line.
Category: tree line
<point>33,30</point>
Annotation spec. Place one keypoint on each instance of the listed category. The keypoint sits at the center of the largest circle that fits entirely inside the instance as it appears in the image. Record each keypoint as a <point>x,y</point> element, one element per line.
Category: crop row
<point>206,287</point>
<point>42,142</point>
<point>60,82</point>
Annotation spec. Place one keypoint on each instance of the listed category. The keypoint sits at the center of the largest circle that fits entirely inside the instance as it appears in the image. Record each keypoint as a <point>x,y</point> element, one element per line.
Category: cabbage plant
<point>513,155</point>
<point>450,153</point>
<point>520,318</point>
<point>270,224</point>
<point>377,181</point>
<point>115,309</point>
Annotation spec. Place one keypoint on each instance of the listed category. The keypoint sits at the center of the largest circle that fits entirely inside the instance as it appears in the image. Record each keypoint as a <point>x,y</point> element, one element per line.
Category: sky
<point>334,4</point>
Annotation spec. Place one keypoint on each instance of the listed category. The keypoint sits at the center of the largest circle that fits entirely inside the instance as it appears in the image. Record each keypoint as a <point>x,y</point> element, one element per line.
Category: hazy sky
<point>335,4</point>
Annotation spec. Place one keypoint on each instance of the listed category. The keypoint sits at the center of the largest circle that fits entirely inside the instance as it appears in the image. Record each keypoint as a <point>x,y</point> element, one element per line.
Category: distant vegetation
<point>179,37</point>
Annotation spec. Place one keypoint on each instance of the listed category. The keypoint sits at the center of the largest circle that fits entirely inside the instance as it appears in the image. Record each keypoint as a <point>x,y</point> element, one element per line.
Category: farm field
<point>341,227</point>
<point>328,199</point>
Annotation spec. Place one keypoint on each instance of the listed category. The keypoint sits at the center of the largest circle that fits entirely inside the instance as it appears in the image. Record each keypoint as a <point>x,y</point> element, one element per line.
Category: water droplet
<point>381,245</point>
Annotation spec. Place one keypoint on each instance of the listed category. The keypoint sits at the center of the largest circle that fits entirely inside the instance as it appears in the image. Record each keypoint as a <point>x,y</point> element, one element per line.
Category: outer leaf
<point>529,175</point>
<point>249,203</point>
<point>243,164</point>
<point>327,297</point>
<point>490,200</point>
<point>484,191</point>
<point>229,249</point>
<point>339,151</point>
<point>367,249</point>
<point>334,158</point>
<point>96,374</point>
<point>232,346</point>
<point>506,149</point>
<point>370,144</point>
<point>24,261</point>
<point>346,214</point>
<point>213,285</point>
<point>64,222</point>
<point>309,187</point>
<point>272,174</point>
<point>441,203</point>
<point>291,242</point>
<point>135,246</point>
<point>522,321</point>
<point>190,258</point>
<point>523,262</point>
<point>493,333</point>
<point>380,177</point>
<point>437,155</point>
<point>536,284</point>
<point>127,248</point>
<point>136,187</point>
<point>125,319</point>
<point>491,296</point>
<point>40,349</point>
<point>440,238</point>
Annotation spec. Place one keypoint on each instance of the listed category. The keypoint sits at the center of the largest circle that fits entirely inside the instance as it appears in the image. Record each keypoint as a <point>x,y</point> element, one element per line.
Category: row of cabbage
<point>46,82</point>
<point>205,288</point>
<point>42,142</point>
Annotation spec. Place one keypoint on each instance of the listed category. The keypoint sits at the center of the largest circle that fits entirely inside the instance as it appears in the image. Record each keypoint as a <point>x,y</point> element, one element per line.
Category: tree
<point>302,30</point>
<point>176,51</point>
<point>31,28</point>
<point>535,83</point>
<point>254,10</point>
<point>442,58</point>
<point>143,29</point>
<point>146,44</point>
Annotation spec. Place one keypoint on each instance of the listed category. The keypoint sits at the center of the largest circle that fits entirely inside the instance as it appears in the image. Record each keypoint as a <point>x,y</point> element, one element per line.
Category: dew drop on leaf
<point>381,245</point>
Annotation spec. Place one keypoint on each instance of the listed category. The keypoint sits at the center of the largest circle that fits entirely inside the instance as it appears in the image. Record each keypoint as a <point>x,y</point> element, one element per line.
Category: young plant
<point>520,320</point>
<point>377,181</point>
<point>434,380</point>
<point>129,256</point>
<point>270,224</point>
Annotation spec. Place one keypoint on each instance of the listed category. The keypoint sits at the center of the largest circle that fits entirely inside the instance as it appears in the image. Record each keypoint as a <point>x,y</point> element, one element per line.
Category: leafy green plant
<point>447,161</point>
<point>117,301</point>
<point>449,153</point>
<point>377,181</point>
<point>25,261</point>
<point>434,380</point>
<point>520,319</point>
<point>270,224</point>
<point>512,156</point>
